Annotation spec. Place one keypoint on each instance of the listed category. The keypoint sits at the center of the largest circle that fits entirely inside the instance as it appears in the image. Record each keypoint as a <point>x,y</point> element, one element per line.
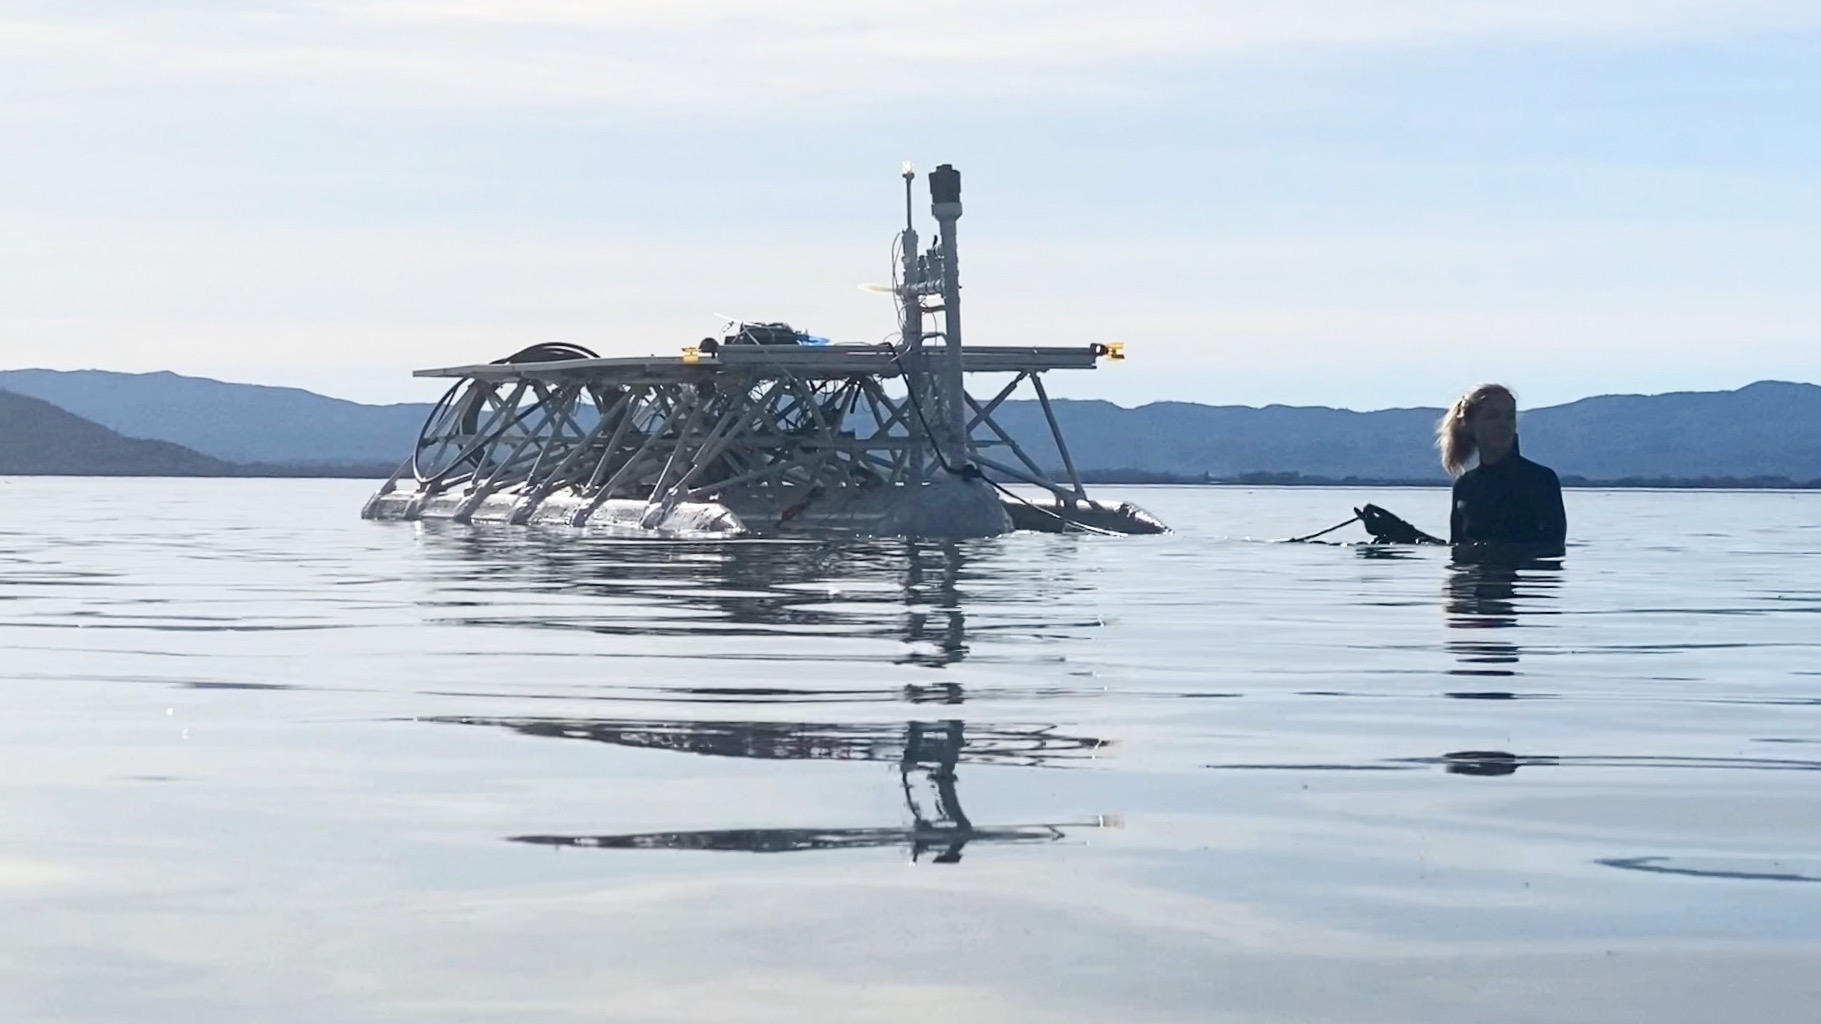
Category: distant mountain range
<point>39,439</point>
<point>234,422</point>
<point>1769,429</point>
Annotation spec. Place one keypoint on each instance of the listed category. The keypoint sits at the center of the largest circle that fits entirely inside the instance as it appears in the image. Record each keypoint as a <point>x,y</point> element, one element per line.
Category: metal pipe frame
<point>771,423</point>
<point>1062,446</point>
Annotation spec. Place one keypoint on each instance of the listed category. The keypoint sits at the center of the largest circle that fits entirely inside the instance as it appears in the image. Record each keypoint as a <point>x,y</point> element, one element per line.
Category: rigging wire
<point>1320,533</point>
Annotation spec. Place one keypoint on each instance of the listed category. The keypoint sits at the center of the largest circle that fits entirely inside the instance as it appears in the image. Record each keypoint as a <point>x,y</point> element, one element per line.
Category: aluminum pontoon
<point>763,432</point>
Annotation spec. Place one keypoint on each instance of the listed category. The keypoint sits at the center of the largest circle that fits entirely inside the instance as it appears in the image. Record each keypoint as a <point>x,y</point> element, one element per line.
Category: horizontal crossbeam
<point>759,362</point>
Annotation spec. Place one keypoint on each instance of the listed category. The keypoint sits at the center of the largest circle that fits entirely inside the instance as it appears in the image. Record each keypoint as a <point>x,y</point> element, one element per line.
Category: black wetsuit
<point>1512,501</point>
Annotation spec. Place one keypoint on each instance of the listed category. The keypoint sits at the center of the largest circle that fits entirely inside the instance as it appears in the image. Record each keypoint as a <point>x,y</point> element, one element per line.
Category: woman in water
<point>1505,498</point>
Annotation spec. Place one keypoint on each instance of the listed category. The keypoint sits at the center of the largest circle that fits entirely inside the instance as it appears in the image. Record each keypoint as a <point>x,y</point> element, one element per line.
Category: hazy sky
<point>1348,202</point>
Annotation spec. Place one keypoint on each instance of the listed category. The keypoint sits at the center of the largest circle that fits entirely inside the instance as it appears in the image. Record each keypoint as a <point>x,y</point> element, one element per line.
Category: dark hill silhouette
<point>235,422</point>
<point>1767,429</point>
<point>36,438</point>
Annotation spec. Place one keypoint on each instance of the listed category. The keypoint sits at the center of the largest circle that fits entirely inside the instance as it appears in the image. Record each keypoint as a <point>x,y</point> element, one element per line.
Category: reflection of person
<point>1491,589</point>
<point>1482,593</point>
<point>1505,498</point>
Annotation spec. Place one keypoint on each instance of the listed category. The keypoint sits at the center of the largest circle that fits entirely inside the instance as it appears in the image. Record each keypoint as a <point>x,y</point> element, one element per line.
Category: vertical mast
<point>910,325</point>
<point>945,206</point>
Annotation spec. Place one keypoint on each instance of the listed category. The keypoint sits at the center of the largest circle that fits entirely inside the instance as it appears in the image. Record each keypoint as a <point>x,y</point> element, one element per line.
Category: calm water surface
<point>263,761</point>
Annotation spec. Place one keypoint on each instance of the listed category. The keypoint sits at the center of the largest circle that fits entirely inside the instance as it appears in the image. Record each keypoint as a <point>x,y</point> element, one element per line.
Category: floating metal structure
<point>763,432</point>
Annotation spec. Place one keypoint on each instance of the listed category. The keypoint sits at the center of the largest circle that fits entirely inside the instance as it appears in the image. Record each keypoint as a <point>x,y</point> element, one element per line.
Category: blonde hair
<point>1454,436</point>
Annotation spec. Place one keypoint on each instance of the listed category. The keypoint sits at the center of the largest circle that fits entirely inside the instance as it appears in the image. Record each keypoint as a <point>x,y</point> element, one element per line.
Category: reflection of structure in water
<point>930,750</point>
<point>917,593</point>
<point>949,630</point>
<point>922,837</point>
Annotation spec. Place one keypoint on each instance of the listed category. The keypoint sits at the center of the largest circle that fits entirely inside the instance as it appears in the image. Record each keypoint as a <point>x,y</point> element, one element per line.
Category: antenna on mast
<point>910,175</point>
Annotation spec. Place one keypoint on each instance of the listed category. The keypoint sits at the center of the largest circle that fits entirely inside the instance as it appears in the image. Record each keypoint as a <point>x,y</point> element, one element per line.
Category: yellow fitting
<point>692,355</point>
<point>1116,350</point>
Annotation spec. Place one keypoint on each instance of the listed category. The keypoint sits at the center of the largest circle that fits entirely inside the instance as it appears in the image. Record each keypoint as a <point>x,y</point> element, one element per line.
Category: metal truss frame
<point>798,423</point>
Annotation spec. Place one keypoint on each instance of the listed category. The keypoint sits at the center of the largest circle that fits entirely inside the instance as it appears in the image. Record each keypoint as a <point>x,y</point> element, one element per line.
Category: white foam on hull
<point>952,509</point>
<point>620,516</point>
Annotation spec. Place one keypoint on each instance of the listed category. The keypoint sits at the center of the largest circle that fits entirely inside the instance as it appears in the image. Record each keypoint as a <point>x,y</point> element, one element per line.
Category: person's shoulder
<point>1541,470</point>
